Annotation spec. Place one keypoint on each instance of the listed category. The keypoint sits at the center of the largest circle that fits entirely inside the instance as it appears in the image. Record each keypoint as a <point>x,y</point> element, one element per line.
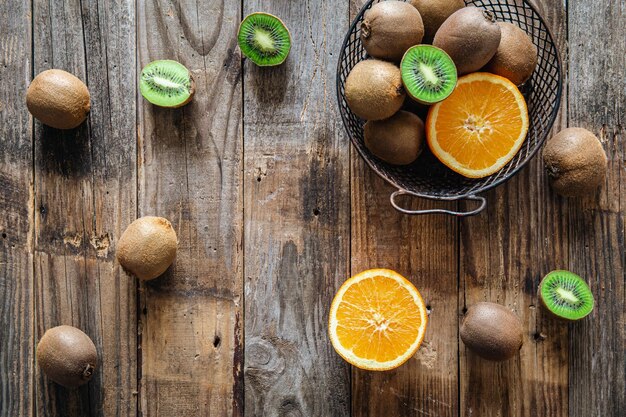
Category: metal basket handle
<point>392,199</point>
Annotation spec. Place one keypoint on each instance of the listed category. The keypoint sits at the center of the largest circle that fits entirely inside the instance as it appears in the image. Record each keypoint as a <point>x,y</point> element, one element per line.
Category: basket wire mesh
<point>429,178</point>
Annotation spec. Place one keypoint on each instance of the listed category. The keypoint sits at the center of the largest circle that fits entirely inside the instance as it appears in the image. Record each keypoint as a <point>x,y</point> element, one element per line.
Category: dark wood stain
<point>84,186</point>
<point>296,162</point>
<point>191,338</point>
<point>17,332</point>
<point>596,224</point>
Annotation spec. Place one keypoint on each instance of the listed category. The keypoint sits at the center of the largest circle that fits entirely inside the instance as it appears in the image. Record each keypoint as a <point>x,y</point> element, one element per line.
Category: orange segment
<point>377,320</point>
<point>480,127</point>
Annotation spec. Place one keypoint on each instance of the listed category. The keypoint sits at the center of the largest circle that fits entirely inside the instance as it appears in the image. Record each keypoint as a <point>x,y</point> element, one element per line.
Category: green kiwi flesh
<point>566,295</point>
<point>166,83</point>
<point>264,39</point>
<point>67,356</point>
<point>428,74</point>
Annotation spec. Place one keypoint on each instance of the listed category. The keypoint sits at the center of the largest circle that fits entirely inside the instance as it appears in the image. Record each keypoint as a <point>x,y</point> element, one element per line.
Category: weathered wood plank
<point>597,66</point>
<point>296,218</point>
<point>424,249</point>
<point>504,253</point>
<point>16,222</point>
<point>85,195</point>
<point>190,172</point>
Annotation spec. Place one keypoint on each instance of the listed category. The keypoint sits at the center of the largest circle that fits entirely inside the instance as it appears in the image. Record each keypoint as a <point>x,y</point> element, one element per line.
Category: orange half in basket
<point>480,127</point>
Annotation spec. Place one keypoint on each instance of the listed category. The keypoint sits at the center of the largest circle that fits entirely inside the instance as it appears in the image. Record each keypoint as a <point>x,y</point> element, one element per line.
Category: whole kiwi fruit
<point>389,28</point>
<point>67,356</point>
<point>516,57</point>
<point>434,13</point>
<point>575,161</point>
<point>58,99</point>
<point>374,89</point>
<point>470,36</point>
<point>398,140</point>
<point>147,247</point>
<point>492,331</point>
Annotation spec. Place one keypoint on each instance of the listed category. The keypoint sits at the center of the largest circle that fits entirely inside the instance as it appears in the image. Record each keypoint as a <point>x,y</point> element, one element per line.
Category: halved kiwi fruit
<point>167,83</point>
<point>566,295</point>
<point>264,39</point>
<point>428,74</point>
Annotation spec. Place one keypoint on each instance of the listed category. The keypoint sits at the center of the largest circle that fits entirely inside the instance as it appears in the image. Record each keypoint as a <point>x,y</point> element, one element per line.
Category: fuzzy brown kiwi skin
<point>398,140</point>
<point>67,356</point>
<point>516,57</point>
<point>471,37</point>
<point>434,13</point>
<point>575,162</point>
<point>374,89</point>
<point>147,247</point>
<point>492,331</point>
<point>58,99</point>
<point>390,28</point>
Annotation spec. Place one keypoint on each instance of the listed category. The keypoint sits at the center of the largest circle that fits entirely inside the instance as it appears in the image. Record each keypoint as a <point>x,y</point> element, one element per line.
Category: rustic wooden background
<point>274,210</point>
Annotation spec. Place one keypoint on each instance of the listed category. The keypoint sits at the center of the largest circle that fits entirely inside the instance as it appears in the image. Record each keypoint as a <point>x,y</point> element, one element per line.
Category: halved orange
<point>480,127</point>
<point>377,320</point>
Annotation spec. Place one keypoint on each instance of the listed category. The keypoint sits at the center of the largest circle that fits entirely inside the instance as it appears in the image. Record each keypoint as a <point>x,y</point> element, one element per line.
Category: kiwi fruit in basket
<point>471,37</point>
<point>374,89</point>
<point>67,356</point>
<point>434,13</point>
<point>58,99</point>
<point>428,74</point>
<point>147,247</point>
<point>398,140</point>
<point>389,28</point>
<point>575,161</point>
<point>566,295</point>
<point>516,57</point>
<point>167,83</point>
<point>264,39</point>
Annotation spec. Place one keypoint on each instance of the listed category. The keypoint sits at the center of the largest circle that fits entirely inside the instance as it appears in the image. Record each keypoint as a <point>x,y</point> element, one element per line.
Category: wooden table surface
<point>274,210</point>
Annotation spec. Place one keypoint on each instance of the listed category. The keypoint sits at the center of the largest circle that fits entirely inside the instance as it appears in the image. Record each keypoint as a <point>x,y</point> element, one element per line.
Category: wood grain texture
<point>504,253</point>
<point>16,221</point>
<point>85,195</point>
<point>296,218</point>
<point>597,102</point>
<point>190,172</point>
<point>259,165</point>
<point>423,249</point>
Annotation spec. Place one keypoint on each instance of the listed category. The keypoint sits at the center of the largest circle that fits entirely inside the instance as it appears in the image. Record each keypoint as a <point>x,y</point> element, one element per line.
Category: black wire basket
<point>429,178</point>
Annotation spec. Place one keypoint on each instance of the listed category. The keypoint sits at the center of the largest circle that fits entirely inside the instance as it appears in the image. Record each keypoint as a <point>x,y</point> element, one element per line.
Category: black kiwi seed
<point>167,83</point>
